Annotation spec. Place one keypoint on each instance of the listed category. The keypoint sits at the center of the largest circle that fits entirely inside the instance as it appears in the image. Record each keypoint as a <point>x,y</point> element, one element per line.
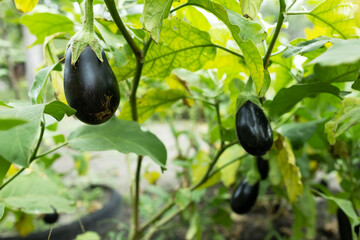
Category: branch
<point>110,4</point>
<point>279,24</point>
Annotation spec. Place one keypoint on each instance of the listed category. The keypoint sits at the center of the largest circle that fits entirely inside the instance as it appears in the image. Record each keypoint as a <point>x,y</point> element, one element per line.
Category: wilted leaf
<point>24,225</point>
<point>152,176</point>
<point>290,172</point>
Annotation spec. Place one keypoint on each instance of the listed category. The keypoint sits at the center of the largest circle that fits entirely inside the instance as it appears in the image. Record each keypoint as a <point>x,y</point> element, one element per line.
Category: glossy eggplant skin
<point>253,129</point>
<point>91,87</point>
<point>263,167</point>
<point>344,225</point>
<point>244,197</point>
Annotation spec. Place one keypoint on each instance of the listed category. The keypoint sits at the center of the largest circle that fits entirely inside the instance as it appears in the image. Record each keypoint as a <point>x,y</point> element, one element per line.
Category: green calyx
<point>80,41</point>
<point>86,37</point>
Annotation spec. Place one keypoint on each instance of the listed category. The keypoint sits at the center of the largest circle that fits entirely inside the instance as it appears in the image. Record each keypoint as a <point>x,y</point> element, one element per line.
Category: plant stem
<point>217,108</point>
<point>12,178</point>
<point>297,13</point>
<point>32,157</point>
<point>51,150</point>
<point>227,164</point>
<point>110,4</point>
<point>179,7</point>
<point>89,16</point>
<point>279,24</point>
<point>137,195</point>
<point>192,188</point>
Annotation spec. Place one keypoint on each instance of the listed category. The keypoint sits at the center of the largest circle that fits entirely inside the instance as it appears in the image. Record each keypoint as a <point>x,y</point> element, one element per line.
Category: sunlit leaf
<point>336,16</point>
<point>228,174</point>
<point>45,24</point>
<point>342,52</point>
<point>152,176</point>
<point>25,5</point>
<point>245,33</point>
<point>155,11</point>
<point>199,167</point>
<point>347,116</point>
<point>154,100</point>
<point>181,46</point>
<point>290,172</point>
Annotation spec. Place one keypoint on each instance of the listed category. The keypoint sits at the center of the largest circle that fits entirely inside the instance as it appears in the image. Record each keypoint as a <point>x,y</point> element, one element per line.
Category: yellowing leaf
<point>25,5</point>
<point>228,174</point>
<point>152,177</point>
<point>337,17</point>
<point>290,172</point>
<point>154,100</point>
<point>199,167</point>
<point>176,82</point>
<point>24,225</point>
<point>347,116</point>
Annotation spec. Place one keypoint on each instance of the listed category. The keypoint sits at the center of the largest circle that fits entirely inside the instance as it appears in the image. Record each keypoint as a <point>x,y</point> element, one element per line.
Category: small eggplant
<point>244,197</point>
<point>253,129</point>
<point>263,167</point>
<point>91,87</point>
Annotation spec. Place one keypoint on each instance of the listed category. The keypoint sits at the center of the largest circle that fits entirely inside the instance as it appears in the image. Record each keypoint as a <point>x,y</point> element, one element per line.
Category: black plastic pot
<point>100,221</point>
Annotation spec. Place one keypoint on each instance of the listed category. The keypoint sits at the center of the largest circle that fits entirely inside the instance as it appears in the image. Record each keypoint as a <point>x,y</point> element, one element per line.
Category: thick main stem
<point>89,16</point>
<point>279,24</point>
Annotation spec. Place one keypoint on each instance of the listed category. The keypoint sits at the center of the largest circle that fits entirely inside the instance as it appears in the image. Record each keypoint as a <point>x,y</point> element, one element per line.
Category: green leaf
<point>155,11</point>
<point>181,46</point>
<point>199,167</point>
<point>35,193</point>
<point>25,5</point>
<point>154,100</point>
<point>7,123</point>
<point>306,46</point>
<point>2,210</point>
<point>5,165</point>
<point>250,8</point>
<point>88,235</point>
<point>287,98</point>
<point>290,172</point>
<point>58,110</point>
<point>345,205</point>
<point>298,133</point>
<point>120,135</point>
<point>16,144</point>
<point>337,17</point>
<point>45,24</point>
<point>3,104</point>
<point>245,33</point>
<point>304,226</point>
<point>347,116</point>
<point>340,73</point>
<point>183,198</point>
<point>37,90</point>
<point>343,52</point>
